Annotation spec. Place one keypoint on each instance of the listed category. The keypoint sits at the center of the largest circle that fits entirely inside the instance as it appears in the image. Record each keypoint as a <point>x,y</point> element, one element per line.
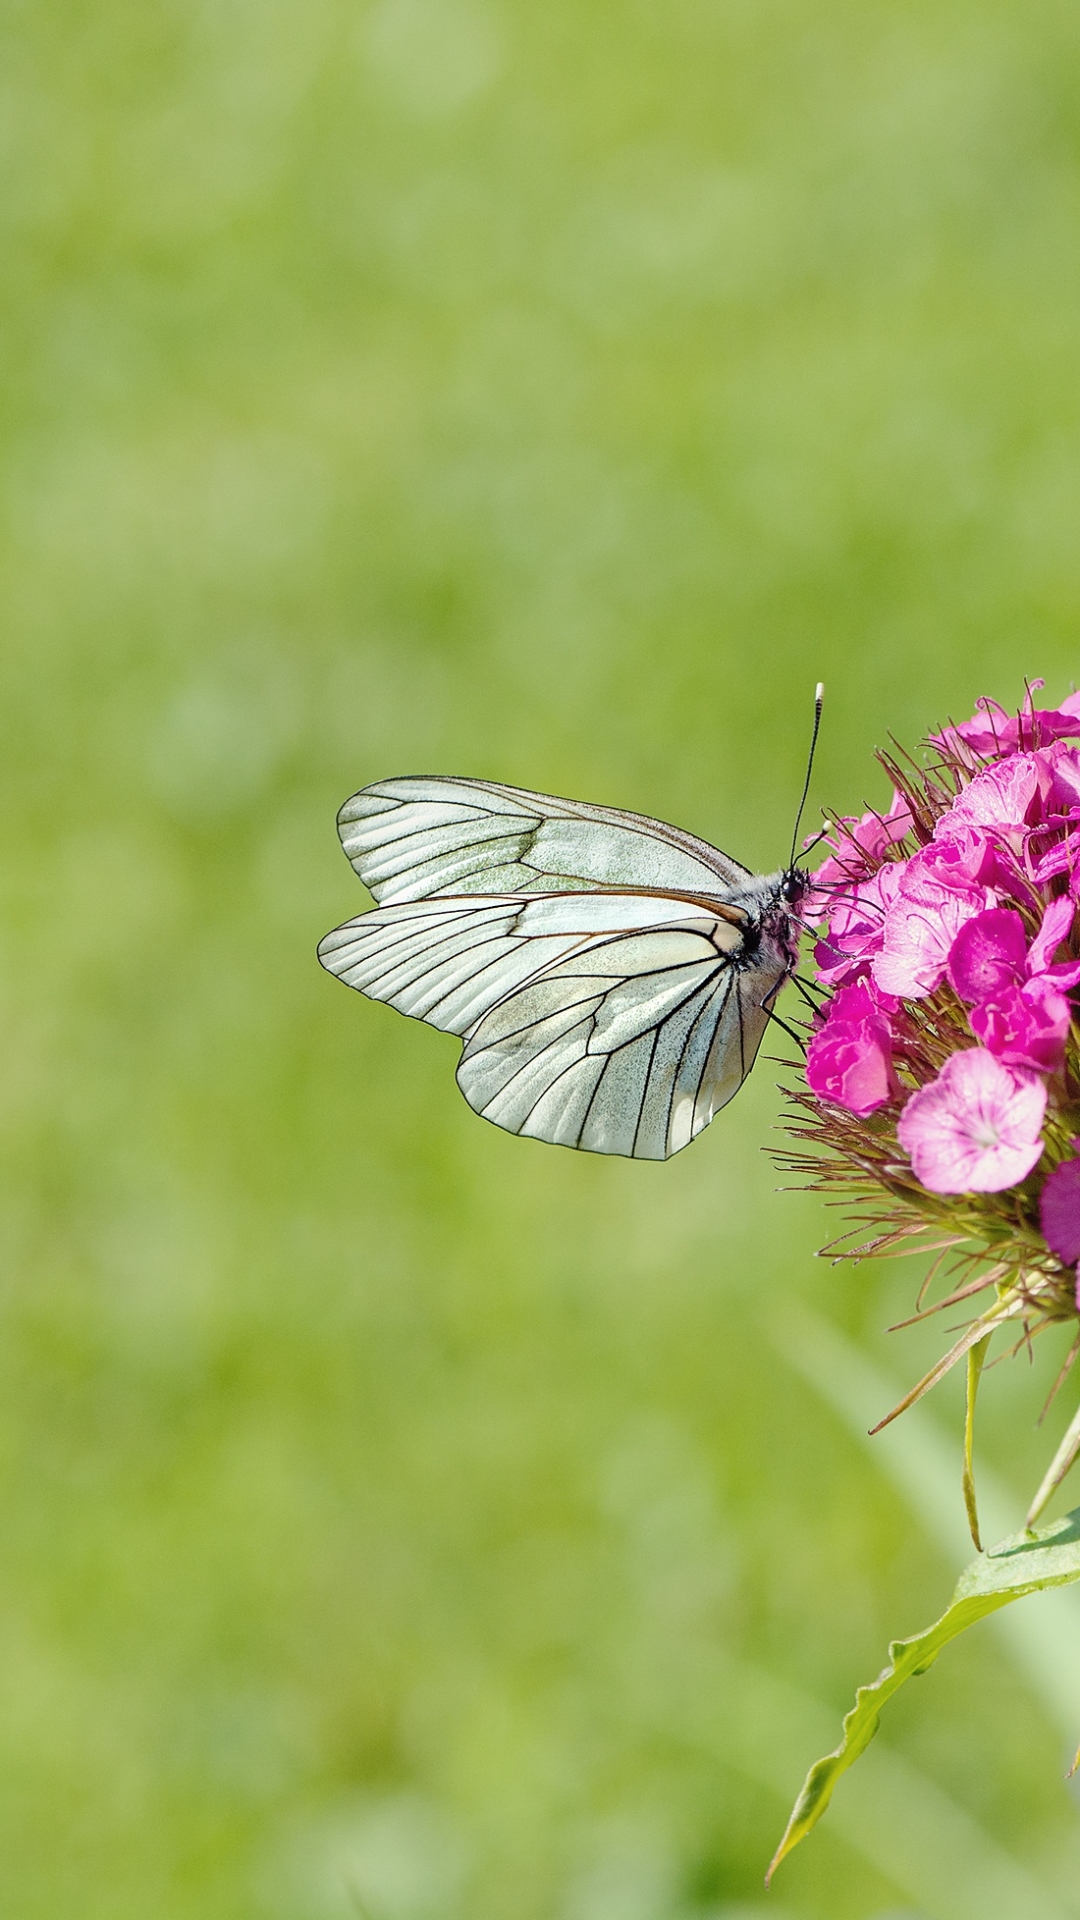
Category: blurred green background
<point>400,1520</point>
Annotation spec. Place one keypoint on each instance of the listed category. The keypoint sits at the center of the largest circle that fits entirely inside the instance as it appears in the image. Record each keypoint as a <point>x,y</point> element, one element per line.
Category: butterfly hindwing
<point>416,838</point>
<point>633,1064</point>
<point>619,1023</point>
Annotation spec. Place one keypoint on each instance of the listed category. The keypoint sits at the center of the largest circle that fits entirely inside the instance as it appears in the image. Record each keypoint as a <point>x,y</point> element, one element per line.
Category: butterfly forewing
<point>415,838</point>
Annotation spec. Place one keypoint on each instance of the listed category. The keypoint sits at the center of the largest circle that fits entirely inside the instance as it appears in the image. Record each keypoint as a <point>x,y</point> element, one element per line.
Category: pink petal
<point>856,921</point>
<point>851,1067</point>
<point>976,1128</point>
<point>1025,1026</point>
<point>1062,766</point>
<point>918,938</point>
<point>962,857</point>
<point>1059,1212</point>
<point>999,797</point>
<point>988,954</point>
<point>1060,857</point>
<point>1057,923</point>
<point>993,731</point>
<point>1063,977</point>
<point>860,1003</point>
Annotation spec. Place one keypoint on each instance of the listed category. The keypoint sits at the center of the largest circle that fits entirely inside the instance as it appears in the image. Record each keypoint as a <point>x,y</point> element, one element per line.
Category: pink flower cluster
<point>975,901</point>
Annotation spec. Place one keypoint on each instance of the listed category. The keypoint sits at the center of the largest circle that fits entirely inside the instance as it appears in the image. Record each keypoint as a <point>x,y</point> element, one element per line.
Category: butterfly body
<point>611,977</point>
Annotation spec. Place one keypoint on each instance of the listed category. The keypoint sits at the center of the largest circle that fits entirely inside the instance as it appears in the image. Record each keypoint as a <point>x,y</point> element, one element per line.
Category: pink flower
<point>991,952</point>
<point>1059,1211</point>
<point>856,925</point>
<point>1060,779</point>
<point>854,842</point>
<point>849,1060</point>
<point>919,933</point>
<point>998,799</point>
<point>1024,1026</point>
<point>1056,927</point>
<point>1055,845</point>
<point>877,832</point>
<point>963,859</point>
<point>1062,856</point>
<point>1020,1012</point>
<point>857,849</point>
<point>988,954</point>
<point>976,1128</point>
<point>994,732</point>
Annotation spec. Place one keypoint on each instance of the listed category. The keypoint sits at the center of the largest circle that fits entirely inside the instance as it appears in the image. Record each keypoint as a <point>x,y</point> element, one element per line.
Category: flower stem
<point>976,1356</point>
<point>1058,1468</point>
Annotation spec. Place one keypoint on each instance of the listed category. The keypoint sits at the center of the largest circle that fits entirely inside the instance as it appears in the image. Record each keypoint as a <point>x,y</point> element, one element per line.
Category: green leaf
<point>1024,1563</point>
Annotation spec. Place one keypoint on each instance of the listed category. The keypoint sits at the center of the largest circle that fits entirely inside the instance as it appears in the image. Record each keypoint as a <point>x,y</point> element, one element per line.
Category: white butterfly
<point>610,976</point>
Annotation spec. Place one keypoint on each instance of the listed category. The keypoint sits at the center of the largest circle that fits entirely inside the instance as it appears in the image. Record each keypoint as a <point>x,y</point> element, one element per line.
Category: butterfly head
<point>787,925</point>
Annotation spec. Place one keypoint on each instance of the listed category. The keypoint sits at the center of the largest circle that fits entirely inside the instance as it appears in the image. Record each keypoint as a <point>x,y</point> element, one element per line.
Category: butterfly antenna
<point>819,695</point>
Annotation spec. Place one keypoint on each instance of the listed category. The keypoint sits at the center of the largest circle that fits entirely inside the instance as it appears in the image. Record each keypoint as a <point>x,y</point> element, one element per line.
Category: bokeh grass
<point>400,1519</point>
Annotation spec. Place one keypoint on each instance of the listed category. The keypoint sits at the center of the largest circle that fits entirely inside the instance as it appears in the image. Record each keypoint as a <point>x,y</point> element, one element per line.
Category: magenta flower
<point>989,954</point>
<point>964,858</point>
<point>1056,926</point>
<point>1061,781</point>
<point>1024,1026</point>
<point>1062,856</point>
<point>849,1060</point>
<point>993,731</point>
<point>1020,1011</point>
<point>976,1128</point>
<point>1000,797</point>
<point>871,835</point>
<point>973,875</point>
<point>919,934</point>
<point>1053,844</point>
<point>856,925</point>
<point>1059,1211</point>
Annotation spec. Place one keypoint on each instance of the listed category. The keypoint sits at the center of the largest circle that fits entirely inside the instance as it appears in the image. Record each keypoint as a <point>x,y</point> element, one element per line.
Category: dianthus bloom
<point>976,1128</point>
<point>1059,1211</point>
<point>943,1069</point>
<point>850,1059</point>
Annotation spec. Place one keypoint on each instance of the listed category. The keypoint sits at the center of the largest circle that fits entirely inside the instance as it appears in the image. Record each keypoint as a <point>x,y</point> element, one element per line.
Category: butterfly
<point>611,977</point>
